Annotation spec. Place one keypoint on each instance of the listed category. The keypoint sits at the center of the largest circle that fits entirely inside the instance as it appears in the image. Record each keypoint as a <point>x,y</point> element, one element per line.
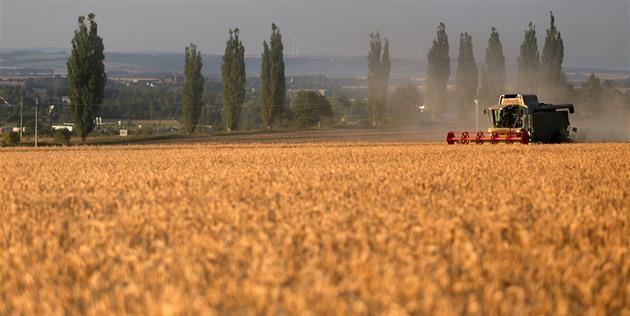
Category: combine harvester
<point>520,118</point>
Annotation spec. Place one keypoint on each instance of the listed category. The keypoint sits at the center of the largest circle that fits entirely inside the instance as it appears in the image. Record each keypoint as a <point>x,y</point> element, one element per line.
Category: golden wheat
<point>316,229</point>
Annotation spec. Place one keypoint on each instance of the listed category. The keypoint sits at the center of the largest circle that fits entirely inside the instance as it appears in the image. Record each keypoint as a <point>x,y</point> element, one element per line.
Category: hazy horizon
<point>596,33</point>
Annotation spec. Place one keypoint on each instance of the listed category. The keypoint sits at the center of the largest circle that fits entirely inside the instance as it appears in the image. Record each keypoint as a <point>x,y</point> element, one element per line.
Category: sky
<point>596,32</point>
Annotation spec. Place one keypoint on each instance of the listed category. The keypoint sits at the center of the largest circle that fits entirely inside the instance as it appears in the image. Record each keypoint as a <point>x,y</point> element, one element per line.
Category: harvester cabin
<point>510,111</point>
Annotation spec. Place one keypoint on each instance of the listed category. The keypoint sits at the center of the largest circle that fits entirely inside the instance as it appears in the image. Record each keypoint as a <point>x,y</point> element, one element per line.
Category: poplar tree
<point>552,78</point>
<point>386,67</point>
<point>467,76</point>
<point>233,75</point>
<point>528,62</point>
<point>86,75</point>
<point>192,91</point>
<point>379,67</point>
<point>273,79</point>
<point>484,91</point>
<point>265,78</point>
<point>438,71</point>
<point>494,74</point>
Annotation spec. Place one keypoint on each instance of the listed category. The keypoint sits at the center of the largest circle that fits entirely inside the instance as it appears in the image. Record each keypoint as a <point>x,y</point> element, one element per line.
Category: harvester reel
<point>479,138</point>
<point>494,138</point>
<point>508,137</point>
<point>465,138</point>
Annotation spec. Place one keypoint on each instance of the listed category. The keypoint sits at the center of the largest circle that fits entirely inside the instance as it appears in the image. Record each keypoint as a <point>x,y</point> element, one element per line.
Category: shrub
<point>62,136</point>
<point>10,139</point>
<point>310,107</point>
<point>146,131</point>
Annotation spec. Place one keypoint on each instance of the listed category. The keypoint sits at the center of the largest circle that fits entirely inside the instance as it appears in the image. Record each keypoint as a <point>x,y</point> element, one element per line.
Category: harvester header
<point>520,118</point>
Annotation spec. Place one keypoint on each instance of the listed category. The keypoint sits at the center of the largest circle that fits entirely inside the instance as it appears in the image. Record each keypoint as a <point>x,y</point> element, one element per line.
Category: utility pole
<point>21,106</point>
<point>50,109</point>
<point>36,103</point>
<point>476,115</point>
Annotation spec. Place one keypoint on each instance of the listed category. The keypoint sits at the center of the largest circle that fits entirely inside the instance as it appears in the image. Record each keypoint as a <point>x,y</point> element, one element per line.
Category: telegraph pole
<point>21,106</point>
<point>36,103</point>
<point>476,115</point>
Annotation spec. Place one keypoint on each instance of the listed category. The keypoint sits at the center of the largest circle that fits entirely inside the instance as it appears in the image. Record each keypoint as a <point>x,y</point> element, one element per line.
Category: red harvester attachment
<point>508,137</point>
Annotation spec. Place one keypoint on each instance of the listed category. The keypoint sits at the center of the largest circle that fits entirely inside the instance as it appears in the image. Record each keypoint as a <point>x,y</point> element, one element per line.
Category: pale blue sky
<point>596,32</point>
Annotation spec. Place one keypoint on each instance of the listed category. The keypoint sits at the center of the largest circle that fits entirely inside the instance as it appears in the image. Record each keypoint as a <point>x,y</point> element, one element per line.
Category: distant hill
<point>146,64</point>
<point>142,63</point>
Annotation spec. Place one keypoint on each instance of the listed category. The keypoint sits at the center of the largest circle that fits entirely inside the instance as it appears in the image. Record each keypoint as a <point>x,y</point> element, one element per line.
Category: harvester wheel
<point>465,138</point>
<point>494,138</point>
<point>479,138</point>
<point>525,138</point>
<point>450,138</point>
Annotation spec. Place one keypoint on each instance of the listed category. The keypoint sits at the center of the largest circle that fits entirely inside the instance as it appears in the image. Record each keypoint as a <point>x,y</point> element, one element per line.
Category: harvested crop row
<point>321,228</point>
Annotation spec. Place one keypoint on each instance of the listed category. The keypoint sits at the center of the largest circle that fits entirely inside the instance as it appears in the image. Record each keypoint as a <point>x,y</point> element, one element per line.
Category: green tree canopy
<point>192,90</point>
<point>438,71</point>
<point>310,107</point>
<point>591,94</point>
<point>265,78</point>
<point>467,76</point>
<point>274,87</point>
<point>528,62</point>
<point>340,106</point>
<point>493,84</point>
<point>404,105</point>
<point>553,83</point>
<point>379,67</point>
<point>233,75</point>
<point>86,75</point>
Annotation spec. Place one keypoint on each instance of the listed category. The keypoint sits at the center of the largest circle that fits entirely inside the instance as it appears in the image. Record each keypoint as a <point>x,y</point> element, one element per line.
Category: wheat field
<point>316,228</point>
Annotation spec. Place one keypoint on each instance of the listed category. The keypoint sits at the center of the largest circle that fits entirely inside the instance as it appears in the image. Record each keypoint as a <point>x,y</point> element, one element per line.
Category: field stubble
<point>332,228</point>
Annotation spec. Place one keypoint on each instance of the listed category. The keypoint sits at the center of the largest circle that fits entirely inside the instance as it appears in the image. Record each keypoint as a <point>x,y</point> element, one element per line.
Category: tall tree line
<point>379,67</point>
<point>233,75</point>
<point>86,75</point>
<point>543,74</point>
<point>537,73</point>
<point>273,79</point>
